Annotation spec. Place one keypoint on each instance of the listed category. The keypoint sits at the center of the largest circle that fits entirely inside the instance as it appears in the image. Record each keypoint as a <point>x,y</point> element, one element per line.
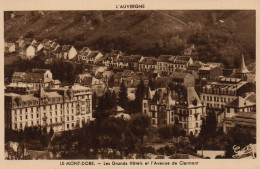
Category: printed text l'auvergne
<point>130,6</point>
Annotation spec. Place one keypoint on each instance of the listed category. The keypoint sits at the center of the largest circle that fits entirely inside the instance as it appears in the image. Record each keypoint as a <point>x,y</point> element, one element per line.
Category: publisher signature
<point>247,150</point>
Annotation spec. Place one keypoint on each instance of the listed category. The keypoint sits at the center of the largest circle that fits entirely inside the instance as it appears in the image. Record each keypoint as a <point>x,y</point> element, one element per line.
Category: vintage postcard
<point>124,84</point>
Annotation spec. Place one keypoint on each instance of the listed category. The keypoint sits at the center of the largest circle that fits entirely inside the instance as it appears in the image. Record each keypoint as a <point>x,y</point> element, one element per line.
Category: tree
<point>139,96</point>
<point>165,131</point>
<point>211,124</point>
<point>122,97</point>
<point>51,132</point>
<point>94,100</point>
<point>203,129</point>
<point>139,124</point>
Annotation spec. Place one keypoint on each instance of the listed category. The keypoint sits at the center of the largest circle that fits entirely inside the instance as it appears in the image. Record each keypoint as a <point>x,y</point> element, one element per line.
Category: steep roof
<point>66,48</point>
<point>93,54</point>
<point>118,75</point>
<point>242,68</point>
<point>127,73</point>
<point>117,108</point>
<point>85,51</point>
<point>193,98</point>
<point>249,100</point>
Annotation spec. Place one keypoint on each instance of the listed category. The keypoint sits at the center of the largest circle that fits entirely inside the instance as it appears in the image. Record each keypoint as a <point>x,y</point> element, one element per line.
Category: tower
<point>242,72</point>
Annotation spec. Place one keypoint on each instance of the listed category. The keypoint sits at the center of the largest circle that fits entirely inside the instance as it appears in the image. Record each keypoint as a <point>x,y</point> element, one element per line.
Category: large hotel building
<point>60,108</point>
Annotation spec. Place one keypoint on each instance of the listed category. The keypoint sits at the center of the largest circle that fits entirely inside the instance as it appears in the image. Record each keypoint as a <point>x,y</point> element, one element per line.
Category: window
<point>37,115</point>
<point>32,123</point>
<point>56,106</point>
<point>26,117</point>
<point>197,124</point>
<point>50,113</point>
<point>21,125</point>
<point>68,126</point>
<point>153,121</point>
<point>68,119</point>
<point>185,126</point>
<point>72,117</point>
<point>51,121</point>
<point>21,117</point>
<point>72,125</point>
<point>32,116</point>
<point>15,119</point>
<point>31,109</point>
<point>228,110</point>
<point>26,110</point>
<point>56,120</point>
<point>145,105</point>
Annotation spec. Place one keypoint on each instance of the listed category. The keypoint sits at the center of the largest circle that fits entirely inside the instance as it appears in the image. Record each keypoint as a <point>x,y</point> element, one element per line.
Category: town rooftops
<point>52,94</point>
<point>85,51</point>
<point>107,74</point>
<point>127,73</point>
<point>18,73</point>
<point>135,58</point>
<point>45,41</point>
<point>164,58</point>
<point>193,98</point>
<point>182,59</point>
<point>7,45</point>
<point>242,69</point>
<point>248,100</point>
<point>93,54</point>
<point>148,61</point>
<point>23,98</point>
<point>39,70</point>
<point>66,48</point>
<point>243,119</point>
<point>177,76</point>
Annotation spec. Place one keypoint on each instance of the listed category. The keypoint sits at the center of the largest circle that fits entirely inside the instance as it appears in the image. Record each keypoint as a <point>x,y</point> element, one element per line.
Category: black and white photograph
<point>129,84</point>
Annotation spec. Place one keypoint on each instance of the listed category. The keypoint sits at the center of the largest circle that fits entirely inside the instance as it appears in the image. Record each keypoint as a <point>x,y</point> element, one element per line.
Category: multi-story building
<point>163,64</point>
<point>147,64</point>
<point>62,109</point>
<point>215,95</point>
<point>168,107</point>
<point>242,120</point>
<point>36,78</point>
<point>183,79</point>
<point>211,70</point>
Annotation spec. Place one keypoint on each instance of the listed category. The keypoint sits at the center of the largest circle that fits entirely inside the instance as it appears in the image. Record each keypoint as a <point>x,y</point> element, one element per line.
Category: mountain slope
<point>141,32</point>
